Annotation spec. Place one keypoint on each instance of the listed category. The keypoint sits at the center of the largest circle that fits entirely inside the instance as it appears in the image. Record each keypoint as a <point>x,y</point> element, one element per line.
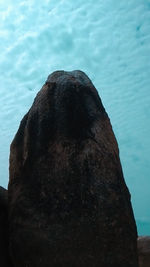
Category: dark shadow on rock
<point>69,205</point>
<point>4,250</point>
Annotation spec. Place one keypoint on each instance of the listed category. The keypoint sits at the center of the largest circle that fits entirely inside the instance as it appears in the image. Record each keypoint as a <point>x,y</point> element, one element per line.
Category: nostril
<point>77,89</point>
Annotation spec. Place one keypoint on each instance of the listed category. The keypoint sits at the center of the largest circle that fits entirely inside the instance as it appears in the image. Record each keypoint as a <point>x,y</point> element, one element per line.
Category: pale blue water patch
<point>143,227</point>
<point>110,41</point>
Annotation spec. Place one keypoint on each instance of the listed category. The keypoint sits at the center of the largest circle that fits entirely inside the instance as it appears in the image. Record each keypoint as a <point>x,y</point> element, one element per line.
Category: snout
<point>77,103</point>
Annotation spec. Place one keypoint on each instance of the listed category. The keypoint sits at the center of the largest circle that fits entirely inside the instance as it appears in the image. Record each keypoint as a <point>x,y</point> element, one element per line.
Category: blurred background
<point>110,41</point>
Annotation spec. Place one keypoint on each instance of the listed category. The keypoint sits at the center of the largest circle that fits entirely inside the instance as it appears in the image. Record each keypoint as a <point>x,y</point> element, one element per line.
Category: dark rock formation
<point>68,202</point>
<point>4,251</point>
<point>144,251</point>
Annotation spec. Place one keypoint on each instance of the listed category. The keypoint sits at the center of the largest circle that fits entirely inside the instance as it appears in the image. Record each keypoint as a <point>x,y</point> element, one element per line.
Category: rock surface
<point>4,251</point>
<point>144,251</point>
<point>68,201</point>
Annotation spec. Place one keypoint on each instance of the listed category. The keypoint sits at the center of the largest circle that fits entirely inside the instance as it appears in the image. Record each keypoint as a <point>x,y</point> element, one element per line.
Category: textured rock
<point>4,252</point>
<point>68,201</point>
<point>144,251</point>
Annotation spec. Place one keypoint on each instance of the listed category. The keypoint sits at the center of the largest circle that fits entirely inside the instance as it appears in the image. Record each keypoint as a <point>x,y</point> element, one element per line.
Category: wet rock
<point>144,251</point>
<point>4,247</point>
<point>68,201</point>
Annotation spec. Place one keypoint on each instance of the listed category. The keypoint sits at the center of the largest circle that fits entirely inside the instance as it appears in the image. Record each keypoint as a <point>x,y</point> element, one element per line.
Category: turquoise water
<point>110,41</point>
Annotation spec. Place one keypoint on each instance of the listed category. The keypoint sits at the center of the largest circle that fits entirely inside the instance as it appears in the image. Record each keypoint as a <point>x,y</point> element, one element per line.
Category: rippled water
<point>110,41</point>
